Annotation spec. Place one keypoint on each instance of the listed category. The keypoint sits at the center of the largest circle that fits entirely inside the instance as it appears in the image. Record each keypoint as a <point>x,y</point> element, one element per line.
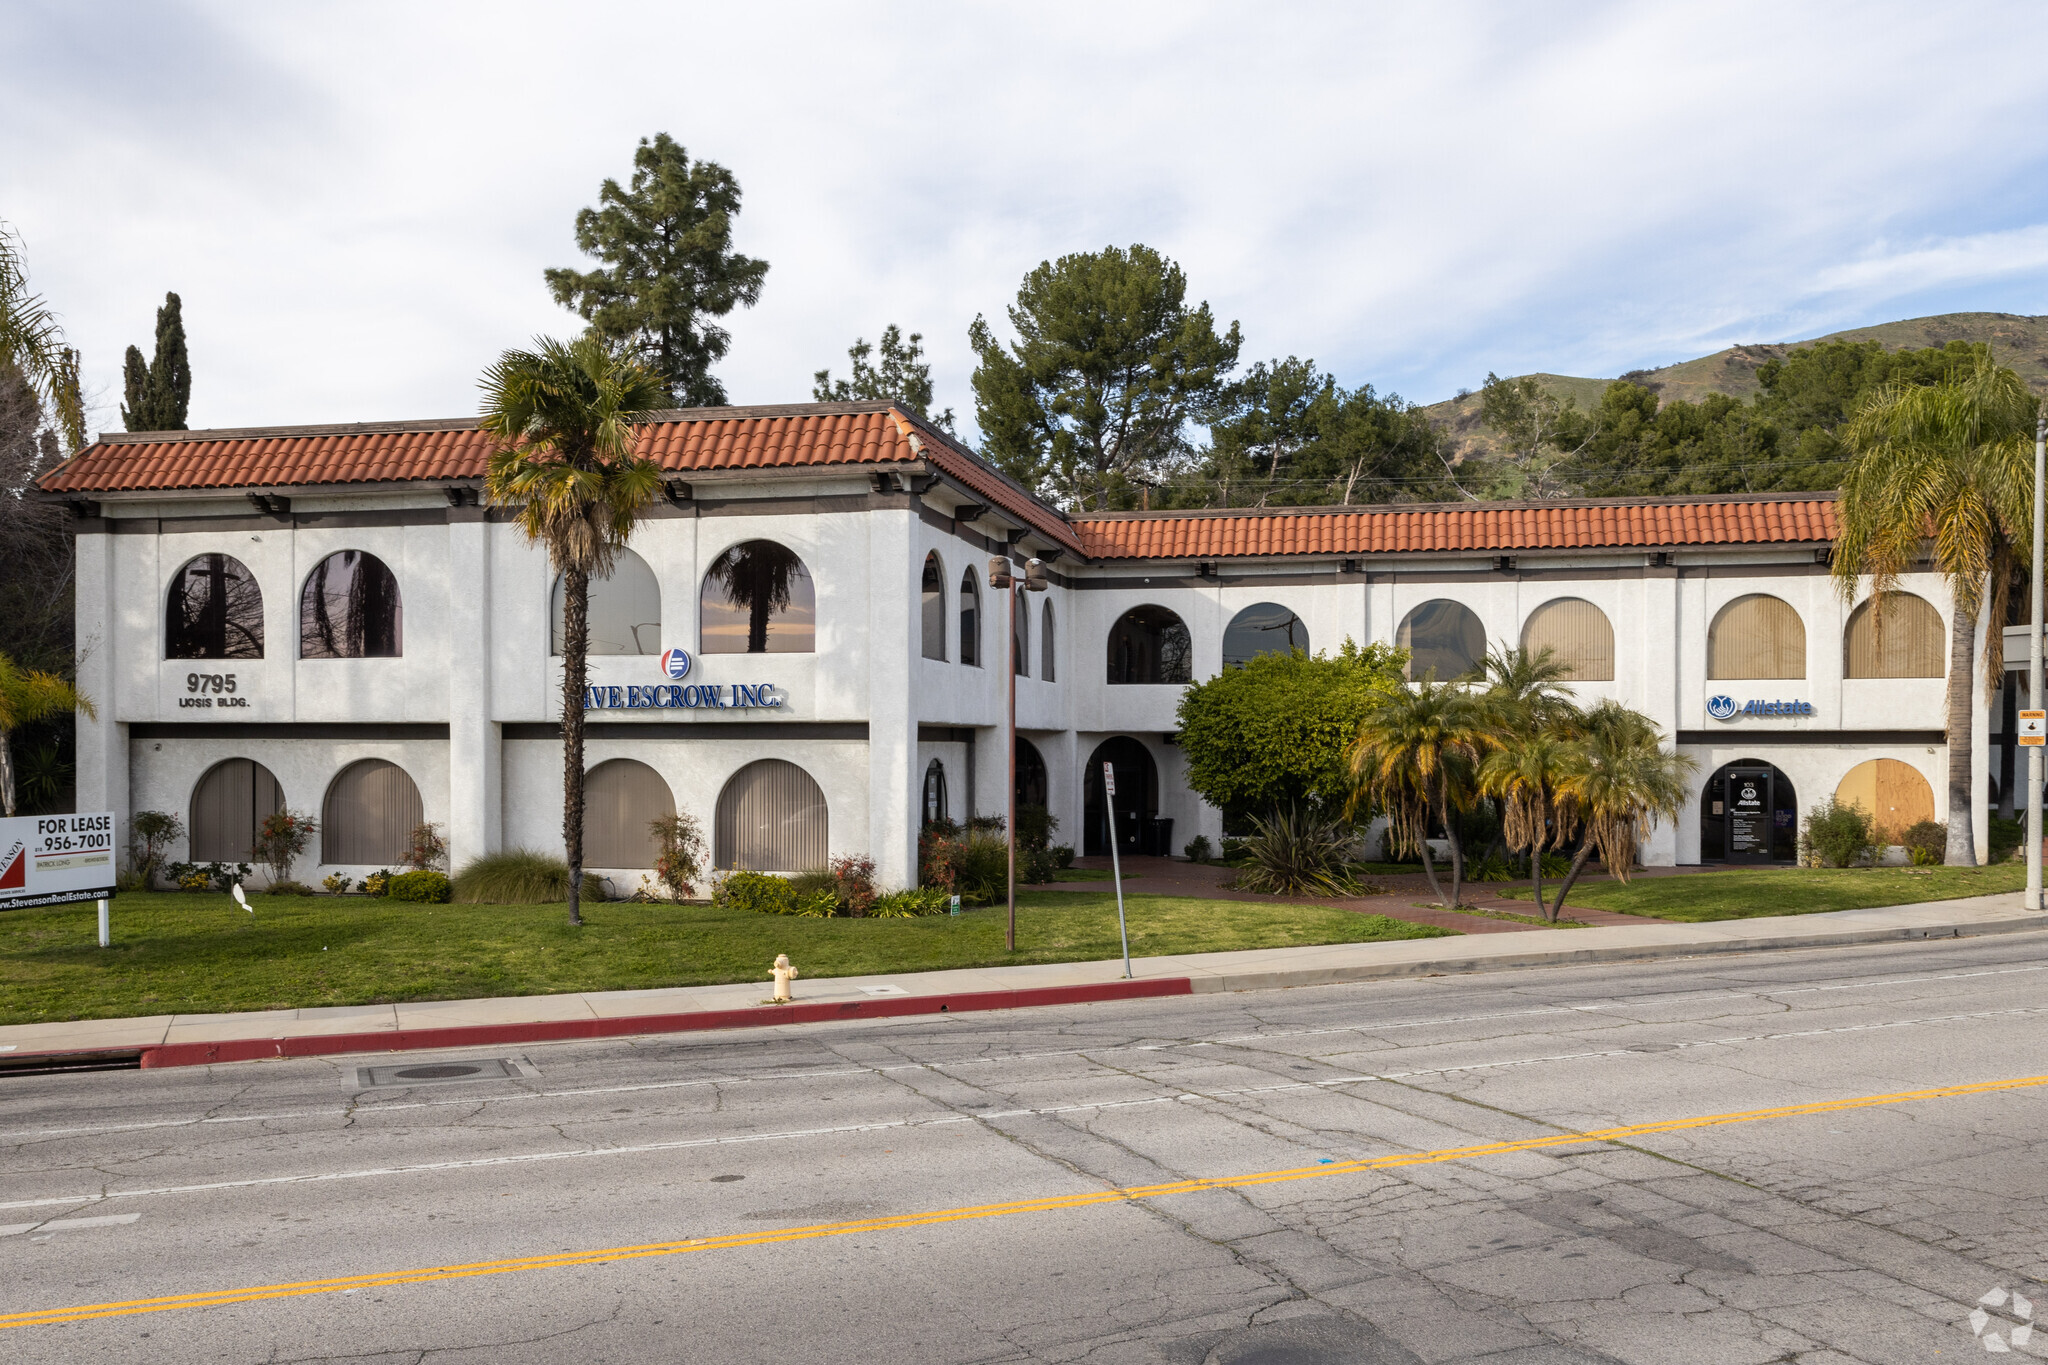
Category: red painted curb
<point>557,1030</point>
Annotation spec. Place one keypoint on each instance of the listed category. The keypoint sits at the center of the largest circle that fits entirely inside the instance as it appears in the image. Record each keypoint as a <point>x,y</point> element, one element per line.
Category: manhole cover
<point>425,1073</point>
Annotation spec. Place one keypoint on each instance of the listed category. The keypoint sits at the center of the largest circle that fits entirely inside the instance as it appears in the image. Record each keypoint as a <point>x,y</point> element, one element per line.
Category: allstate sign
<point>1724,708</point>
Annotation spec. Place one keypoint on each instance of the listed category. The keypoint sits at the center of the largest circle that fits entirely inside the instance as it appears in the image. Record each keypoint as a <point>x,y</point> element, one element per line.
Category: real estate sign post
<point>56,860</point>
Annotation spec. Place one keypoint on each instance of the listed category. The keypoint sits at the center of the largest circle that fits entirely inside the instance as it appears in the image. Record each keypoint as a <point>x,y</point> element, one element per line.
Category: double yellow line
<point>1092,1199</point>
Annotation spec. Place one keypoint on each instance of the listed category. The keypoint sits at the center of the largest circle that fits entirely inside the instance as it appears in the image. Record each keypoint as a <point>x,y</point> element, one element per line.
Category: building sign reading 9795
<point>206,691</point>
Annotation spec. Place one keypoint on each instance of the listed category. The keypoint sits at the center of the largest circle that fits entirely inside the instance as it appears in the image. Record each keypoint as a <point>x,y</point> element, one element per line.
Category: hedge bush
<point>421,888</point>
<point>1837,835</point>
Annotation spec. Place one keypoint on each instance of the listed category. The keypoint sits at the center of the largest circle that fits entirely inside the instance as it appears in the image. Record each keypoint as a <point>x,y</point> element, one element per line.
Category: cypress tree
<point>158,394</point>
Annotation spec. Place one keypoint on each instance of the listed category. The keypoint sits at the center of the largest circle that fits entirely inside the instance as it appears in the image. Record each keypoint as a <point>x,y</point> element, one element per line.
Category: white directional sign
<point>2033,728</point>
<point>53,859</point>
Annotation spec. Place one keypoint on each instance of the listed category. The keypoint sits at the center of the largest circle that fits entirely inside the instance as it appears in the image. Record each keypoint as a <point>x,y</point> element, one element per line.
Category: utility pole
<point>2033,901</point>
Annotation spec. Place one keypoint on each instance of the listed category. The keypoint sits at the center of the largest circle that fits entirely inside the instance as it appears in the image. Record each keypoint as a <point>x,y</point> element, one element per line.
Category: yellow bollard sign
<point>2033,729</point>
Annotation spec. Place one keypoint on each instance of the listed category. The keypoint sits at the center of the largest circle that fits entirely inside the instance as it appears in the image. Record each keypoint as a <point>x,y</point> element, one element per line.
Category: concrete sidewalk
<point>198,1039</point>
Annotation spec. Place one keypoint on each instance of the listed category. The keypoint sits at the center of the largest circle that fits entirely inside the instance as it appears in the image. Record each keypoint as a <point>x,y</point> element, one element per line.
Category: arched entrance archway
<point>1032,787</point>
<point>1137,795</point>
<point>1718,799</point>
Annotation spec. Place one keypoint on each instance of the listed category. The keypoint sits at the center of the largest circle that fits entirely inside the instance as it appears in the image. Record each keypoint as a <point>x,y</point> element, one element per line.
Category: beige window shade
<point>1893,794</point>
<point>369,815</point>
<point>621,798</point>
<point>1578,635</point>
<point>1908,643</point>
<point>226,807</point>
<point>771,818</point>
<point>1442,637</point>
<point>1758,636</point>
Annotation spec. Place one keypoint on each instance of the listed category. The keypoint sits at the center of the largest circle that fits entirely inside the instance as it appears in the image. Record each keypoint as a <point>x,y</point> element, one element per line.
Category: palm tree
<point>1415,757</point>
<point>32,344</point>
<point>1528,686</point>
<point>758,573</point>
<point>1948,464</point>
<point>563,416</point>
<point>1616,781</point>
<point>1522,775</point>
<point>27,696</point>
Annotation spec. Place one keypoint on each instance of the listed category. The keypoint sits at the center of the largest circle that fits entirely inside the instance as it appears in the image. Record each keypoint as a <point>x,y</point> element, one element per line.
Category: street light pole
<point>2033,901</point>
<point>1000,575</point>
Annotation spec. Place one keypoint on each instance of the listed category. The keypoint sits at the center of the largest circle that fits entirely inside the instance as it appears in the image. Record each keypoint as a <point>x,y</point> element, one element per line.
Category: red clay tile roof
<point>790,437</point>
<point>1587,524</point>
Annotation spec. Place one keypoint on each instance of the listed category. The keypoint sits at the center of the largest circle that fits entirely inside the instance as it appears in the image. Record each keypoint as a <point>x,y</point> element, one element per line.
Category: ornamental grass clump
<point>517,876</point>
<point>1298,852</point>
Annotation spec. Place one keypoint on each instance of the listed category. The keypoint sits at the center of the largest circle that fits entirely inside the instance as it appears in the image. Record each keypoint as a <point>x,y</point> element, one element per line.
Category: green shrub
<point>1926,843</point>
<point>1198,850</point>
<point>680,854</point>
<point>1062,856</point>
<point>206,876</point>
<point>760,893</point>
<point>338,883</point>
<point>288,887</point>
<point>1493,868</point>
<point>974,866</point>
<point>517,876</point>
<point>812,880</point>
<point>2005,839</point>
<point>420,888</point>
<point>153,831</point>
<point>130,881</point>
<point>918,901</point>
<point>853,884</point>
<point>1837,835</point>
<point>1035,827</point>
<point>1298,852</point>
<point>1036,866</point>
<point>377,881</point>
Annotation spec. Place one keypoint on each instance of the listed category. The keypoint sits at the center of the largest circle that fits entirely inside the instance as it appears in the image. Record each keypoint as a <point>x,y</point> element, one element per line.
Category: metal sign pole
<point>2033,901</point>
<point>106,929</point>
<point>1116,867</point>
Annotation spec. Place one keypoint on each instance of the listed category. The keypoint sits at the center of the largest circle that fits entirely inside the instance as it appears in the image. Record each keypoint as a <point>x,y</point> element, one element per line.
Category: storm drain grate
<point>441,1072</point>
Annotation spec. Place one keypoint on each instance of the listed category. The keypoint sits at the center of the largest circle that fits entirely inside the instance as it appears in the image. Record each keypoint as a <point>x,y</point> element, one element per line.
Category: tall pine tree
<point>669,268</point>
<point>159,393</point>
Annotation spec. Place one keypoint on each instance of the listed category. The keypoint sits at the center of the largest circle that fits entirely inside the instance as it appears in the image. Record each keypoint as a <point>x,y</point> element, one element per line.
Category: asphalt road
<point>770,1195</point>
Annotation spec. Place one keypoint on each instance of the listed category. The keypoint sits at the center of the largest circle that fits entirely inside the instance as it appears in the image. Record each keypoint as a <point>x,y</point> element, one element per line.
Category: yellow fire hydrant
<point>784,974</point>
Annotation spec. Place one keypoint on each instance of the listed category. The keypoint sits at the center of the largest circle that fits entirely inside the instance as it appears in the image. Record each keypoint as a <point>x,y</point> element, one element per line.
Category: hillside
<point>2021,342</point>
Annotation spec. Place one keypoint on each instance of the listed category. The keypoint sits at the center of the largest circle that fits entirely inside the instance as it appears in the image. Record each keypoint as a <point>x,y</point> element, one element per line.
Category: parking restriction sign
<point>2033,728</point>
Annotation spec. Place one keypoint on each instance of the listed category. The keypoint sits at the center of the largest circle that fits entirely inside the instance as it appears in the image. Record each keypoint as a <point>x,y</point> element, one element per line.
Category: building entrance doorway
<point>1749,813</point>
<point>1137,796</point>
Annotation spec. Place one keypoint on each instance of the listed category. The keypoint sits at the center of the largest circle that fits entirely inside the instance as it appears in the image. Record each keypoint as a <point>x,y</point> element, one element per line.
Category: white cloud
<point>356,202</point>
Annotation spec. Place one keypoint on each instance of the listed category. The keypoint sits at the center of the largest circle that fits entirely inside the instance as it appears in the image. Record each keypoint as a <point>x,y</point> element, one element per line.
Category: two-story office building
<point>801,646</point>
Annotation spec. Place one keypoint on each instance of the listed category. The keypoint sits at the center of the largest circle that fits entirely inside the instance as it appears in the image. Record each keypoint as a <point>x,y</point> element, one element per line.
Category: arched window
<point>933,603</point>
<point>1032,786</point>
<point>970,620</point>
<point>1020,633</point>
<point>1758,636</point>
<point>350,609</point>
<point>934,792</point>
<point>215,611</point>
<point>227,805</point>
<point>1267,628</point>
<point>625,610</point>
<point>771,818</point>
<point>621,798</point>
<point>1149,645</point>
<point>1893,794</point>
<point>758,599</point>
<point>1906,643</point>
<point>1045,643</point>
<point>1577,634</point>
<point>369,815</point>
<point>1443,638</point>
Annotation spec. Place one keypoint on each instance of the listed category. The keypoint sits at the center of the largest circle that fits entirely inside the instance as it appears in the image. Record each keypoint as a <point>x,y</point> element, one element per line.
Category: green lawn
<point>1747,893</point>
<point>177,953</point>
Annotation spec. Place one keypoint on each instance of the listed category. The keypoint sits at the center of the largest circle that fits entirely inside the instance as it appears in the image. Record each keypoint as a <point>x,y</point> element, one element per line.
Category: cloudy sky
<point>356,201</point>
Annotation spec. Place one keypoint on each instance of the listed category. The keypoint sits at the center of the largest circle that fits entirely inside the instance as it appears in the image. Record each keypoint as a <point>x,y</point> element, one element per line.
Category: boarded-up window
<point>771,818</point>
<point>1906,644</point>
<point>625,610</point>
<point>1577,634</point>
<point>621,798</point>
<point>758,599</point>
<point>1757,636</point>
<point>226,807</point>
<point>215,611</point>
<point>1893,794</point>
<point>1045,641</point>
<point>369,815</point>
<point>932,602</point>
<point>1442,637</point>
<point>1267,628</point>
<point>350,609</point>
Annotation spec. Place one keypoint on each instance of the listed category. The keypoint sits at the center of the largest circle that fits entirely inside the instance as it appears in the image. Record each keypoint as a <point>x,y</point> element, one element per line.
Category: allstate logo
<point>1720,708</point>
<point>676,663</point>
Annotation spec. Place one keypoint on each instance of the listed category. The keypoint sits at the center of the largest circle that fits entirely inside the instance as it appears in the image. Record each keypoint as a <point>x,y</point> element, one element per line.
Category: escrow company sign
<point>1725,708</point>
<point>674,696</point>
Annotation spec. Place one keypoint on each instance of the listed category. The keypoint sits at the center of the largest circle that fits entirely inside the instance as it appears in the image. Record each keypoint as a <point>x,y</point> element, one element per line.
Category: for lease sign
<point>51,859</point>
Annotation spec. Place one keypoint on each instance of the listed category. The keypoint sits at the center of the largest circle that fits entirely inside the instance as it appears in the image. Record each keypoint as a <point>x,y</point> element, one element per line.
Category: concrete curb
<point>560,1030</point>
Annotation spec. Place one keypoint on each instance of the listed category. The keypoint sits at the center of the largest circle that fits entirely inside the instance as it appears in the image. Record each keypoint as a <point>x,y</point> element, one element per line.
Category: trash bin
<point>1159,838</point>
